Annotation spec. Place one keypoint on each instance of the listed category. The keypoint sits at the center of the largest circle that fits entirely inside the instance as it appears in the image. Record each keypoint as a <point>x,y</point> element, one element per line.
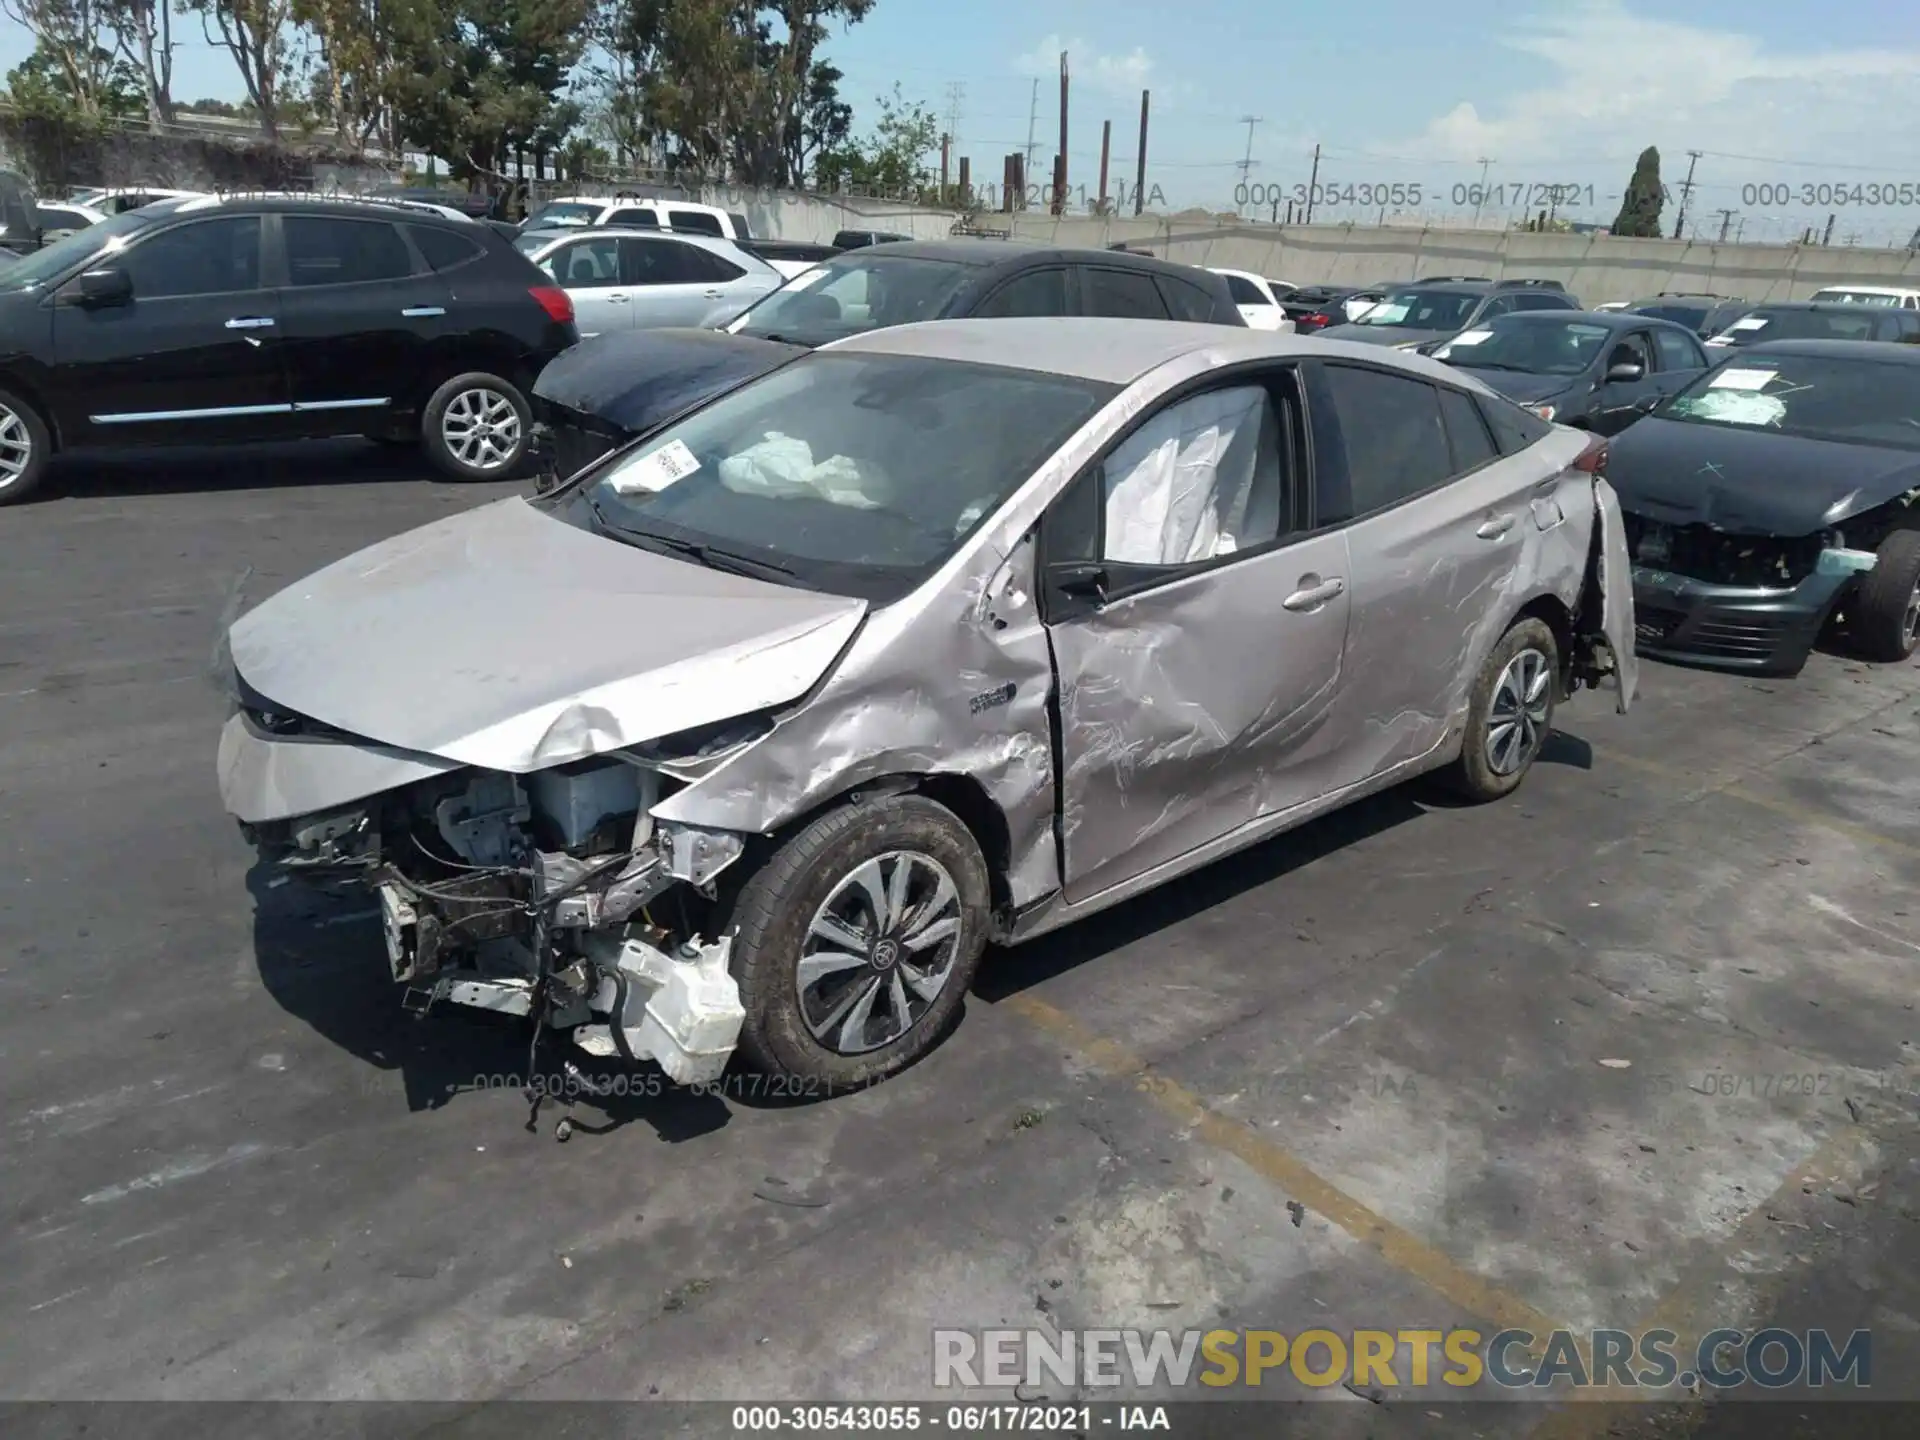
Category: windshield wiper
<point>714,557</point>
<point>1487,365</point>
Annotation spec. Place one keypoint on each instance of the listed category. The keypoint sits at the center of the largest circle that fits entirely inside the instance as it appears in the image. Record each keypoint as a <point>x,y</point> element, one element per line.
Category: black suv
<point>231,319</point>
<point>615,386</point>
<point>1427,311</point>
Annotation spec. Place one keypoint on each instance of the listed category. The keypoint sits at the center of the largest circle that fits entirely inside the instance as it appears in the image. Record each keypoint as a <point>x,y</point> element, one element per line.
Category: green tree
<point>69,68</point>
<point>42,84</point>
<point>892,159</point>
<point>1640,206</point>
<point>257,34</point>
<point>143,38</point>
<point>824,126</point>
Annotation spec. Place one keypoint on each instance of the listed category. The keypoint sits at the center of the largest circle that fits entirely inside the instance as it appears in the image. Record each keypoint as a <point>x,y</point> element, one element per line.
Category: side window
<point>1631,350</point>
<point>1541,301</point>
<point>443,249</point>
<point>585,264</point>
<point>1186,301</point>
<point>1202,479</point>
<point>1396,446</point>
<point>1245,292</point>
<point>1498,305</point>
<point>1466,431</point>
<point>659,262</point>
<point>1513,429</point>
<point>694,222</point>
<point>707,266</point>
<point>634,218</point>
<point>208,257</point>
<point>1677,351</point>
<point>323,250</point>
<point>1038,292</point>
<point>1123,294</point>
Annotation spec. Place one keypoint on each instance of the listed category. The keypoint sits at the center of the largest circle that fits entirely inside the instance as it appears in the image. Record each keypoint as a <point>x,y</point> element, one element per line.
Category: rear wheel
<point>476,427</point>
<point>25,447</point>
<point>857,941</point>
<point>1510,713</point>
<point>1886,612</point>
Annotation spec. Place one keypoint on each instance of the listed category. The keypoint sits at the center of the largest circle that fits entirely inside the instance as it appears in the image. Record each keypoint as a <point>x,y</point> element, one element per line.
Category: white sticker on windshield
<point>657,470</point>
<point>1470,337</point>
<point>1719,340</point>
<point>1742,379</point>
<point>1752,322</point>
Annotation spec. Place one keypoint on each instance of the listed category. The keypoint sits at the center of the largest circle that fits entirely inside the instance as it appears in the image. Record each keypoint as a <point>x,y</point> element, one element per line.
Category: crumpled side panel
<point>1616,594</point>
<point>959,686</point>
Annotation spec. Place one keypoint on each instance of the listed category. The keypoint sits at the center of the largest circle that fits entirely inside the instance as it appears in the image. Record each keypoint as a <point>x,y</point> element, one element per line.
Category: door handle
<point>250,322</point>
<point>1312,597</point>
<point>1496,527</point>
<point>422,312</point>
<point>618,299</point>
<point>715,294</point>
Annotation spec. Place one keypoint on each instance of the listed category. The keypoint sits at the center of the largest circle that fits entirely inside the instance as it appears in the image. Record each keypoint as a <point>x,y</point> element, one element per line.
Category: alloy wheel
<point>879,951</point>
<point>1517,718</point>
<point>481,428</point>
<point>16,447</point>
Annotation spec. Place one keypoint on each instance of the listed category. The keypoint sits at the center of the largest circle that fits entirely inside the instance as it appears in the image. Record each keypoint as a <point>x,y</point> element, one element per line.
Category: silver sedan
<point>750,737</point>
<point>645,279</point>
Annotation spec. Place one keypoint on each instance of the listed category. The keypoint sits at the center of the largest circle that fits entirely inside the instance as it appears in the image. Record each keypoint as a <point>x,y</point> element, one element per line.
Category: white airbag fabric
<point>1169,485</point>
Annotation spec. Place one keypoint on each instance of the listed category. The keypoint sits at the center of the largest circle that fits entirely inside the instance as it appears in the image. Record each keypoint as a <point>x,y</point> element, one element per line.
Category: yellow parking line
<point>1793,809</point>
<point>1400,1248</point>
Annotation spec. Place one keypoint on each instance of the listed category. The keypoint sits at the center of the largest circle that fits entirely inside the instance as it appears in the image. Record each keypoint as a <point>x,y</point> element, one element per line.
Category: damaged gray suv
<point>749,738</point>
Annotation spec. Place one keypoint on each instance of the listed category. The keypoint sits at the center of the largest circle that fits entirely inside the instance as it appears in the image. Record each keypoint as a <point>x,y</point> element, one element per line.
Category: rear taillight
<point>1593,459</point>
<point>555,301</point>
<point>1311,322</point>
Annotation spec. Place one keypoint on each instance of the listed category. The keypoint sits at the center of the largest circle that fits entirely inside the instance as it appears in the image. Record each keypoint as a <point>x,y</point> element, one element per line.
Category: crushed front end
<point>552,895</point>
<point>1740,602</point>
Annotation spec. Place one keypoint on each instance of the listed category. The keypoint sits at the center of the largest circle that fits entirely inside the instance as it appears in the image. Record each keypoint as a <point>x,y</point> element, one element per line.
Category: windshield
<point>563,212</point>
<point>528,244</point>
<point>64,254</point>
<point>1758,325</point>
<point>852,294</point>
<point>1421,310</point>
<point>1856,297</point>
<point>858,474</point>
<point>1539,347</point>
<point>1854,402</point>
<point>1687,315</point>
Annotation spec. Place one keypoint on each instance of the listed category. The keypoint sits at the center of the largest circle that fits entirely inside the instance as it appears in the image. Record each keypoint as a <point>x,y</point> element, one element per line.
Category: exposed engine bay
<point>553,895</point>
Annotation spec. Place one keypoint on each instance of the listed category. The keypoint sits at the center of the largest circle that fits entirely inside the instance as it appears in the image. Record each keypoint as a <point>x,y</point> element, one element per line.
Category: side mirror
<point>1082,579</point>
<point>1625,374</point>
<point>109,285</point>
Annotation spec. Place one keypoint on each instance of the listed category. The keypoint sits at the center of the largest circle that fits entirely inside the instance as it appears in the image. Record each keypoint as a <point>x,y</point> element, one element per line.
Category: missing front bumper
<point>1732,627</point>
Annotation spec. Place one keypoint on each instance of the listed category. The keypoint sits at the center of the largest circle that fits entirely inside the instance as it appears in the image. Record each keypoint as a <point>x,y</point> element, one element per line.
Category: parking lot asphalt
<point>1636,1046</point>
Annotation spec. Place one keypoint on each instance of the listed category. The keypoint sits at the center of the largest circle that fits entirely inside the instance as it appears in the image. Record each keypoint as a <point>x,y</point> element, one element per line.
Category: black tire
<point>771,919</point>
<point>25,443</point>
<point>1476,775</point>
<point>477,393</point>
<point>1885,613</point>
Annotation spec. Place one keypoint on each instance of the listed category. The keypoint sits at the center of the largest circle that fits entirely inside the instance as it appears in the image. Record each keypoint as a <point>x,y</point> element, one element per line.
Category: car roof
<point>1117,352</point>
<point>285,204</point>
<point>1872,289</point>
<point>1610,319</point>
<point>1885,352</point>
<point>1823,306</point>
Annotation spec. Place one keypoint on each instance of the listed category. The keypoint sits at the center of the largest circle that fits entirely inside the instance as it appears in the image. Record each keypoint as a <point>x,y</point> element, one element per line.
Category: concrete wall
<point>1597,268</point>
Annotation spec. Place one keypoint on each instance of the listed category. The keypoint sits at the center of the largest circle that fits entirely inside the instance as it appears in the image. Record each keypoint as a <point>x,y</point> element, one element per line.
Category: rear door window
<point>1121,294</point>
<point>1038,292</point>
<point>694,222</point>
<point>1466,431</point>
<point>1396,444</point>
<point>1185,300</point>
<point>443,249</point>
<point>1245,292</point>
<point>1677,351</point>
<point>661,262</point>
<point>328,250</point>
<point>1513,429</point>
<point>585,264</point>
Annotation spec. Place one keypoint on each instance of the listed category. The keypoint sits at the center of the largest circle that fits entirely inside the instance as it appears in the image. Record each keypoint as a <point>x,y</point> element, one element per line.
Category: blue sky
<point>1562,92</point>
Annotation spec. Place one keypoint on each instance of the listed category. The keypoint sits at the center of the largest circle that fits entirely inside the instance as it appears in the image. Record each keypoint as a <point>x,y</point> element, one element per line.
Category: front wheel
<point>477,427</point>
<point>856,942</point>
<point>1510,713</point>
<point>1886,613</point>
<point>24,449</point>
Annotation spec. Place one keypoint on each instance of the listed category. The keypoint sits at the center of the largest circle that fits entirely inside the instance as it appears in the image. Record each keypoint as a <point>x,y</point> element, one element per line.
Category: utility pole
<point>1686,193</point>
<point>1106,145</point>
<point>1480,195</point>
<point>1060,165</point>
<point>956,95</point>
<point>1313,184</point>
<point>1737,234</point>
<point>1033,115</point>
<point>1827,238</point>
<point>1726,223</point>
<point>946,152</point>
<point>1140,159</point>
<point>1246,165</point>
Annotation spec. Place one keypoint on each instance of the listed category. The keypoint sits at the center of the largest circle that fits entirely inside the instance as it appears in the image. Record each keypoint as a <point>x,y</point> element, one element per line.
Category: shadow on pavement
<point>163,470</point>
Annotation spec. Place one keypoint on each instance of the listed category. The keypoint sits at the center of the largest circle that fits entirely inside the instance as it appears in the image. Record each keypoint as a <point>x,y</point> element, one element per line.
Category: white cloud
<point>1614,81</point>
<point>1112,74</point>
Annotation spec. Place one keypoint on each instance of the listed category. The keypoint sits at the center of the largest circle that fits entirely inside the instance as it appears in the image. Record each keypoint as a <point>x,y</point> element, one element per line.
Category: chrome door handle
<point>422,312</point>
<point>715,294</point>
<point>1314,596</point>
<point>1496,527</point>
<point>620,299</point>
<point>250,322</point>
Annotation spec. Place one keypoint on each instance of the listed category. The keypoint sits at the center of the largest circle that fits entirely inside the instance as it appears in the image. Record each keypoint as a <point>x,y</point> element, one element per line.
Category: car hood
<point>634,379</point>
<point>1382,334</point>
<point>1517,386</point>
<point>1751,482</point>
<point>509,639</point>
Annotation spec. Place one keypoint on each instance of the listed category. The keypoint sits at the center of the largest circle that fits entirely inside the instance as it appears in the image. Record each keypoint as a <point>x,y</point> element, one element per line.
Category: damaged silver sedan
<point>747,740</point>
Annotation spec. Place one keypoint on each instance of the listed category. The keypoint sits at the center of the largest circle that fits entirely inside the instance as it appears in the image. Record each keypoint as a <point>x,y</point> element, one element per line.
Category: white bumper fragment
<point>683,1013</point>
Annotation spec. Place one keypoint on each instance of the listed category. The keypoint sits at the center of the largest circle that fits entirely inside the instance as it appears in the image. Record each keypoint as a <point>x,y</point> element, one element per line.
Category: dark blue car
<point>1595,370</point>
